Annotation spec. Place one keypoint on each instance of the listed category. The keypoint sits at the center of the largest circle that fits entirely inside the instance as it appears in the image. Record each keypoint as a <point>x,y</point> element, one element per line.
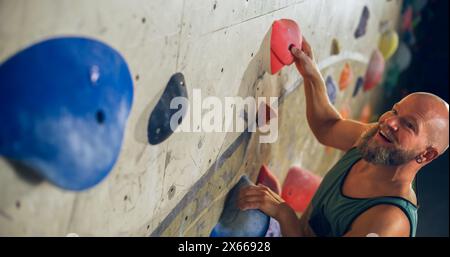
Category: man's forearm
<point>319,111</point>
<point>289,222</point>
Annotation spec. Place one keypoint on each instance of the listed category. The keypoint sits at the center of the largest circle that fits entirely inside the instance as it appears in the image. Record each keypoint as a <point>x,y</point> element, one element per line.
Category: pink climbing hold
<point>407,18</point>
<point>267,178</point>
<point>375,70</point>
<point>285,34</point>
<point>299,188</point>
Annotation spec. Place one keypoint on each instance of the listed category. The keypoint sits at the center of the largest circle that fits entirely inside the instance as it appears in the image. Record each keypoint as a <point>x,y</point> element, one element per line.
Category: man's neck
<point>402,175</point>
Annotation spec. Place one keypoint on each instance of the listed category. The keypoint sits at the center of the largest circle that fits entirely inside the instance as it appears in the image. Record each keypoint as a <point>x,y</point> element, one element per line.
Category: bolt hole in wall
<point>100,116</point>
<point>171,192</point>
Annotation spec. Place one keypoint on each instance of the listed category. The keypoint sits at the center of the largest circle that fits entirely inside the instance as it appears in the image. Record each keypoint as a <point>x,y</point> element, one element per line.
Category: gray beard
<point>377,154</point>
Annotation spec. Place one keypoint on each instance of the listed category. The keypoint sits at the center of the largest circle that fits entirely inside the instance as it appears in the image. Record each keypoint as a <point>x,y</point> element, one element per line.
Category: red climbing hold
<point>375,70</point>
<point>346,77</point>
<point>407,18</point>
<point>267,178</point>
<point>275,63</point>
<point>285,34</point>
<point>299,188</point>
<point>268,112</point>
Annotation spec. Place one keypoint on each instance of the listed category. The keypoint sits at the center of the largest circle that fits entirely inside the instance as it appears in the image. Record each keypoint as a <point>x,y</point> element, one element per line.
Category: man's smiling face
<point>402,133</point>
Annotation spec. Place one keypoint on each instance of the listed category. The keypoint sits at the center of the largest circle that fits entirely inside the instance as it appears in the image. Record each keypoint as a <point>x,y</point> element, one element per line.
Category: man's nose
<point>392,123</point>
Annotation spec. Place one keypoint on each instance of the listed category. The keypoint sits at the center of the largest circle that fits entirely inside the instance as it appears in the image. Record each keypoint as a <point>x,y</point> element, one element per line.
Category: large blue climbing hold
<point>331,89</point>
<point>237,223</point>
<point>64,104</point>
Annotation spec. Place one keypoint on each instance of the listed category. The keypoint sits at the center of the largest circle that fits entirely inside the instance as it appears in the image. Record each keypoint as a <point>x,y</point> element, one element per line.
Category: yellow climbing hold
<point>388,43</point>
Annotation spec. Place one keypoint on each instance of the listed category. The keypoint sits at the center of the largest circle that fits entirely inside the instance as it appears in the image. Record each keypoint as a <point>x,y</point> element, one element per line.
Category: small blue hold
<point>237,223</point>
<point>331,89</point>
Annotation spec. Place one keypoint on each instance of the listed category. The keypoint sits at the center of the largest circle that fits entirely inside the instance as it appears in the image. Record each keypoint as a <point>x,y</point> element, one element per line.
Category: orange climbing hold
<point>299,188</point>
<point>345,111</point>
<point>267,178</point>
<point>366,114</point>
<point>346,77</point>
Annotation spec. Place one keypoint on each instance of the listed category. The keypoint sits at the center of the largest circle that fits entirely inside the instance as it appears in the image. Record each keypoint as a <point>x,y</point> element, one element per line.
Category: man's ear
<point>430,154</point>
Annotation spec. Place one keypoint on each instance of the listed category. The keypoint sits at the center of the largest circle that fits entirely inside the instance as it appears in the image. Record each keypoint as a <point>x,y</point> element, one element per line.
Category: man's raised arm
<point>325,122</point>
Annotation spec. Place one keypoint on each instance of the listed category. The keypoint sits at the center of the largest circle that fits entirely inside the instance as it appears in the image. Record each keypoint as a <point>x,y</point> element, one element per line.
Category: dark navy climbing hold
<point>331,89</point>
<point>236,223</point>
<point>358,86</point>
<point>159,128</point>
<point>63,109</point>
<point>362,25</point>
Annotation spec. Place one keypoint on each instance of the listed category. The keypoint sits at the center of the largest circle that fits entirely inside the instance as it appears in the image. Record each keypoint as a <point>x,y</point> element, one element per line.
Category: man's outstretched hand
<point>304,60</point>
<point>262,198</point>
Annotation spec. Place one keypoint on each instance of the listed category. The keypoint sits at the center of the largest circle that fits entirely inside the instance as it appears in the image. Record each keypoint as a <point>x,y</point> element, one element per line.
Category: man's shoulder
<point>383,219</point>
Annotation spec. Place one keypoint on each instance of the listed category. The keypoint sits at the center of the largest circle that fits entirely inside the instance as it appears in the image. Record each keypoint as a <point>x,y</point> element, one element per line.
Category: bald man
<point>369,191</point>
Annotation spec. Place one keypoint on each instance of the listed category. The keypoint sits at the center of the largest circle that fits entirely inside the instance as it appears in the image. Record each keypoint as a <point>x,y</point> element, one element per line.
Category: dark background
<point>428,72</point>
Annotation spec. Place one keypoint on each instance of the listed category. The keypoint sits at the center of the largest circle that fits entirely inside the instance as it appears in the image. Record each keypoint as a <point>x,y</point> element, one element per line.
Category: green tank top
<point>333,212</point>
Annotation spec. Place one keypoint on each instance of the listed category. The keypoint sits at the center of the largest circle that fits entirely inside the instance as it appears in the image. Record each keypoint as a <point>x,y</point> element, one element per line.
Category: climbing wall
<point>178,187</point>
